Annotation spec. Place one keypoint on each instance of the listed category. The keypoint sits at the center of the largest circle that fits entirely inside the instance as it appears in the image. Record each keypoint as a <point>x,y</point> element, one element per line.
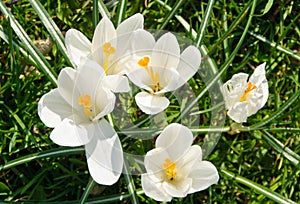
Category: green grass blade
<point>87,191</point>
<point>280,148</point>
<point>277,113</point>
<point>52,28</point>
<point>103,9</point>
<point>21,124</point>
<point>130,184</point>
<point>171,14</point>
<point>4,36</point>
<point>40,155</point>
<point>233,25</point>
<point>121,11</point>
<point>204,23</point>
<point>273,44</point>
<point>95,13</point>
<point>258,188</point>
<point>183,22</point>
<point>39,59</point>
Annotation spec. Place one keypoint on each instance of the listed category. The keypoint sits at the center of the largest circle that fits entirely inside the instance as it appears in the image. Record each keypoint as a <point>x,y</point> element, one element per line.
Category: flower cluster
<point>85,95</point>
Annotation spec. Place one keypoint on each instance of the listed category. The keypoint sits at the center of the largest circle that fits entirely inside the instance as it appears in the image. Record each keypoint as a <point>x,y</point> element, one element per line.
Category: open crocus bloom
<point>158,67</point>
<point>242,98</point>
<point>75,110</point>
<point>107,47</point>
<point>175,168</point>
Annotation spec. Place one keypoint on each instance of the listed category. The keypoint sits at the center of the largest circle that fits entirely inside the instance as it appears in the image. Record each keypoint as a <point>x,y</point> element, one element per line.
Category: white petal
<point>154,190</point>
<point>140,78</point>
<point>105,102</point>
<point>187,161</point>
<point>166,52</point>
<point>238,112</point>
<point>131,24</point>
<point>178,189</point>
<point>234,89</point>
<point>190,60</point>
<point>265,92</point>
<point>143,42</point>
<point>151,104</point>
<point>257,98</point>
<point>66,83</point>
<point>78,46</point>
<point>169,79</point>
<point>104,32</point>
<point>105,155</point>
<point>204,174</point>
<point>90,76</point>
<point>116,83</point>
<point>70,133</point>
<point>52,108</point>
<point>259,75</point>
<point>154,161</point>
<point>177,139</point>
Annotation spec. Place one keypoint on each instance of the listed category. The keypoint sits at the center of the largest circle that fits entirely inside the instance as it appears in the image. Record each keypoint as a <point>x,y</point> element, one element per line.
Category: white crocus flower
<point>107,47</point>
<point>175,168</point>
<point>75,110</point>
<point>242,98</point>
<point>158,67</point>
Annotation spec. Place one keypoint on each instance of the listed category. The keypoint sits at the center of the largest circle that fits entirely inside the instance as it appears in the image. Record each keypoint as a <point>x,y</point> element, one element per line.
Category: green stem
<point>103,9</point>
<point>121,11</point>
<point>86,193</point>
<point>204,23</point>
<point>171,14</point>
<point>273,44</point>
<point>95,13</point>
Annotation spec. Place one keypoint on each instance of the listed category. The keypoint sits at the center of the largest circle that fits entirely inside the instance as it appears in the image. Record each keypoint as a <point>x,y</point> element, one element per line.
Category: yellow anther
<point>108,50</point>
<point>85,101</point>
<point>170,167</point>
<point>144,62</point>
<point>250,88</point>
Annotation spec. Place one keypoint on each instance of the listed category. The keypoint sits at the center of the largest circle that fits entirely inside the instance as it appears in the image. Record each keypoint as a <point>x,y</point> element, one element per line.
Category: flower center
<point>108,50</point>
<point>85,101</point>
<point>170,167</point>
<point>155,78</point>
<point>250,88</point>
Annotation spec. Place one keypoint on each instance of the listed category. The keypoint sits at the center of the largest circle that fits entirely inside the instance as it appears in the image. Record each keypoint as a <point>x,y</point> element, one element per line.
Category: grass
<point>257,163</point>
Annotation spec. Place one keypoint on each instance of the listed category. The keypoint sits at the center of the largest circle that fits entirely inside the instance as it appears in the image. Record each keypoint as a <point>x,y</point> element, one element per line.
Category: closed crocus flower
<point>175,167</point>
<point>107,47</point>
<point>75,110</point>
<point>158,67</point>
<point>244,98</point>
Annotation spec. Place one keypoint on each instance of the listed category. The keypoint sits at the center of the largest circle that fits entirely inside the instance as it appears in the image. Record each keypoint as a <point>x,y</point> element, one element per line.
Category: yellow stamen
<point>155,78</point>
<point>250,88</point>
<point>85,101</point>
<point>170,167</point>
<point>108,50</point>
<point>144,62</point>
